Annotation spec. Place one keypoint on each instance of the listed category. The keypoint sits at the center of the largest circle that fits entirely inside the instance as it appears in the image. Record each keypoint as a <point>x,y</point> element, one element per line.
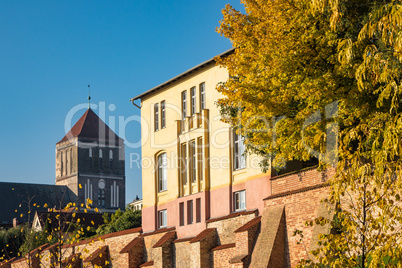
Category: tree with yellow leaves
<point>323,79</point>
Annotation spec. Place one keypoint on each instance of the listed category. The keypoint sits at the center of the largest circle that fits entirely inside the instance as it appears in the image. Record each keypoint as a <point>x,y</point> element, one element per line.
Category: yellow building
<point>194,168</point>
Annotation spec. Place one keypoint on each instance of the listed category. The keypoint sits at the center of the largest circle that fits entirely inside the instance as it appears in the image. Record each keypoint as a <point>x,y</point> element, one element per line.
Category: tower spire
<point>89,97</point>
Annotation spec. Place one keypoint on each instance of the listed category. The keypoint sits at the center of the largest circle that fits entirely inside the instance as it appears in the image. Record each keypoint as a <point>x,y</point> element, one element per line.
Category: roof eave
<point>182,75</point>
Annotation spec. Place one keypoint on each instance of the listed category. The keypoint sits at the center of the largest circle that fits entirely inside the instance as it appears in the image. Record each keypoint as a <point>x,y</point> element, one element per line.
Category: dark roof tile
<point>249,224</point>
<point>167,238</point>
<point>202,235</point>
<point>232,245</point>
<point>148,263</point>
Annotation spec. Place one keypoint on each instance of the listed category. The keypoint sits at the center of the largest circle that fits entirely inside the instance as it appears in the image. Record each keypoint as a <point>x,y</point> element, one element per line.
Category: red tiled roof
<point>232,215</point>
<point>96,254</point>
<point>148,263</point>
<point>39,249</point>
<point>305,189</point>
<point>238,258</point>
<point>183,239</point>
<point>202,235</point>
<point>249,224</point>
<point>7,263</point>
<point>90,127</point>
<point>166,238</point>
<point>136,241</point>
<point>159,231</point>
<point>232,245</point>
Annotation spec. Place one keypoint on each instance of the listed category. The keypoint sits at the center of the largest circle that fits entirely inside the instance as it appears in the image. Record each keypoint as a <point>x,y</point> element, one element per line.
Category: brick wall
<point>299,180</point>
<point>226,227</point>
<point>221,257</point>
<point>299,208</point>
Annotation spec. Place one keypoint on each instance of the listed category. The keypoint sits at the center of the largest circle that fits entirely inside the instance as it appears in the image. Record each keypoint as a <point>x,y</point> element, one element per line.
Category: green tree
<point>308,74</point>
<point>120,221</point>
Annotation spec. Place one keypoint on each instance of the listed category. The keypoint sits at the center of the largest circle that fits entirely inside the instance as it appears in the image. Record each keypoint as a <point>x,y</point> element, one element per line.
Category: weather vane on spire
<point>89,97</point>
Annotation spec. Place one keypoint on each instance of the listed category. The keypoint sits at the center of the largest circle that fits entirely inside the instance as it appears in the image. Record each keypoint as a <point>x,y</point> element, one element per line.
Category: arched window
<point>162,172</point>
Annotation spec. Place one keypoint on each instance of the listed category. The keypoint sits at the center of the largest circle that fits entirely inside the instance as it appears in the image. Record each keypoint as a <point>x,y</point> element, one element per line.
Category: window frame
<point>202,96</point>
<point>239,158</point>
<point>190,212</point>
<point>156,117</point>
<point>163,114</point>
<point>193,161</point>
<point>184,104</point>
<point>162,172</point>
<point>193,95</point>
<point>162,218</point>
<point>239,196</point>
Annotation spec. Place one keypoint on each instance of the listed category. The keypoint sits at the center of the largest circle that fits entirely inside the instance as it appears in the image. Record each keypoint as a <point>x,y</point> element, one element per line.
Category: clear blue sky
<point>51,50</point>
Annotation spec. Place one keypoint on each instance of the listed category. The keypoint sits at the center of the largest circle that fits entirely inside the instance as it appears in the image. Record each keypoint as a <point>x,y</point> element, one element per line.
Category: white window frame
<point>193,92</point>
<point>156,117</point>
<point>163,114</point>
<point>184,104</point>
<point>193,161</point>
<point>239,199</point>
<point>162,218</point>
<point>239,157</point>
<point>162,172</point>
<point>202,96</point>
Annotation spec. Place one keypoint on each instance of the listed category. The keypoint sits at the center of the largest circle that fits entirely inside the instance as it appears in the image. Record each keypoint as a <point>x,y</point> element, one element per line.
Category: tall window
<point>71,161</point>
<point>100,158</point>
<point>111,159</point>
<point>200,159</point>
<point>163,114</point>
<point>198,210</point>
<point>239,157</point>
<point>184,104</point>
<point>181,213</point>
<point>162,172</point>
<point>162,218</point>
<point>190,212</point>
<point>193,161</point>
<point>101,198</point>
<point>90,157</point>
<point>240,200</point>
<point>202,96</point>
<point>61,164</point>
<point>193,101</point>
<point>184,163</point>
<point>156,117</point>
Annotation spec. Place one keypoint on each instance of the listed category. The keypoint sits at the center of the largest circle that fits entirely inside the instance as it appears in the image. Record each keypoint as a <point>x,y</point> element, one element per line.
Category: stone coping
<point>185,239</point>
<point>159,231</point>
<point>96,254</point>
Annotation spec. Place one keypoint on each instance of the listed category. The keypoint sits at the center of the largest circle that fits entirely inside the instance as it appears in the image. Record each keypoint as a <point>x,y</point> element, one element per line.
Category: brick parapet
<point>301,179</point>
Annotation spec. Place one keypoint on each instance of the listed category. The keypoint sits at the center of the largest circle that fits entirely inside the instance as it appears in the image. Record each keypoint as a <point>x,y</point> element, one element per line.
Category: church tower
<point>90,160</point>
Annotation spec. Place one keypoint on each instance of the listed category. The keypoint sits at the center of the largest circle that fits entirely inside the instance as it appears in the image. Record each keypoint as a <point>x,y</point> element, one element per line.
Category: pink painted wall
<point>220,201</point>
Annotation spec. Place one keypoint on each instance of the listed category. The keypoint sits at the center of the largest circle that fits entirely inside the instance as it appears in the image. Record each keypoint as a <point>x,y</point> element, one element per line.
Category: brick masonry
<point>236,240</point>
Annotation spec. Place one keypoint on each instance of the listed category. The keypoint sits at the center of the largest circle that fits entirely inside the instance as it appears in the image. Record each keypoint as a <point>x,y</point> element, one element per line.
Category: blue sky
<point>51,50</point>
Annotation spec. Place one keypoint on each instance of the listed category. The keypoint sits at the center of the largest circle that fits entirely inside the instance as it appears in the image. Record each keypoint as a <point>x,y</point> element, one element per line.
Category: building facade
<point>198,170</point>
<point>90,160</point>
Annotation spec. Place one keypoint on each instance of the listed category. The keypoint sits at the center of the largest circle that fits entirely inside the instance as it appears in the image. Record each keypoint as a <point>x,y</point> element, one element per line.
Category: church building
<point>90,160</point>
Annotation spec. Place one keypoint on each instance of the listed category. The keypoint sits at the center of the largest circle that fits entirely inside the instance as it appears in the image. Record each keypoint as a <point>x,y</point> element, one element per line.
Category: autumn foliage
<point>323,79</point>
